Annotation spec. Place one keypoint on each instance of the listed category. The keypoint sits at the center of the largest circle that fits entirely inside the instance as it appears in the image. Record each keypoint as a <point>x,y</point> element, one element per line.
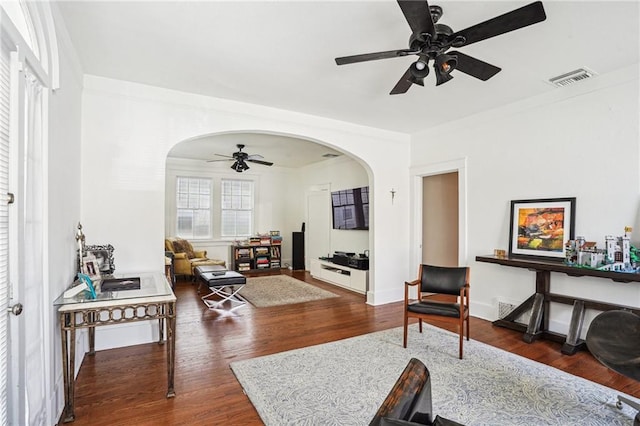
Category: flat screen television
<point>350,208</point>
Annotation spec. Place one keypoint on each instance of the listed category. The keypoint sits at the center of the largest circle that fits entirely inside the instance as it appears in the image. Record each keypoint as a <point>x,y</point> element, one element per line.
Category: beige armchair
<point>186,258</point>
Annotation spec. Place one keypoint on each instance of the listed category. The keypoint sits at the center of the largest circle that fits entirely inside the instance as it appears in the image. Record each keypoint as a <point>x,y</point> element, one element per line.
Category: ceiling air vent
<point>572,77</point>
<point>330,155</point>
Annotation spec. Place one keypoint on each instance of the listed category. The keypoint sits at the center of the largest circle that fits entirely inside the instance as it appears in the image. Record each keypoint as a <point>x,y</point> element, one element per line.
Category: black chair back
<point>442,279</point>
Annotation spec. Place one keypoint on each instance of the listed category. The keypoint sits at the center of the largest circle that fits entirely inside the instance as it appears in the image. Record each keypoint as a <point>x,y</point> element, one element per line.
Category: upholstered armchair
<point>186,258</point>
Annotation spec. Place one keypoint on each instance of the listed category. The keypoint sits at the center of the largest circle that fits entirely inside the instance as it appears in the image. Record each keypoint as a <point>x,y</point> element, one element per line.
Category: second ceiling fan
<point>431,41</point>
<point>240,159</point>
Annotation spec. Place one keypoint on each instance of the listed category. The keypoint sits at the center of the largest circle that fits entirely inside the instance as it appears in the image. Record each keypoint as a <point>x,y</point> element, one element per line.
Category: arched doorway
<point>282,191</point>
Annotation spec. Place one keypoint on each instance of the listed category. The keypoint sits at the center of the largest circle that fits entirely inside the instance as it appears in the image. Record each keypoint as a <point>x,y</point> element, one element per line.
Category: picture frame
<point>539,228</point>
<point>91,268</point>
<point>104,257</point>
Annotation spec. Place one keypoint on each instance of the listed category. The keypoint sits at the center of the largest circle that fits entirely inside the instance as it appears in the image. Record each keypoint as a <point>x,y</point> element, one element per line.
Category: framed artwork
<point>540,228</point>
<point>104,257</point>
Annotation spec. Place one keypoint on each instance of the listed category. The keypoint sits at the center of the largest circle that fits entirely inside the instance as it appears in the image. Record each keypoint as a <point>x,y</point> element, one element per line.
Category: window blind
<point>4,226</point>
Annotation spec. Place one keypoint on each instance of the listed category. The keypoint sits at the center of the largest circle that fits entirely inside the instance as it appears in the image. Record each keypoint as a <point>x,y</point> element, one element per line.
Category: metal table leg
<point>171,347</point>
<point>68,364</point>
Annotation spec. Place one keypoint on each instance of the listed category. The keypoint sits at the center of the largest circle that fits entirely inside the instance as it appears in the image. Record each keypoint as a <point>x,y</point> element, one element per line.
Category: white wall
<point>339,173</point>
<point>581,141</point>
<point>64,166</point>
<point>128,129</point>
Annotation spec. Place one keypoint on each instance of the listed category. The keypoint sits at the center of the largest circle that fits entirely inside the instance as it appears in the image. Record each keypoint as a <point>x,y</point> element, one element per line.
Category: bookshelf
<point>257,254</point>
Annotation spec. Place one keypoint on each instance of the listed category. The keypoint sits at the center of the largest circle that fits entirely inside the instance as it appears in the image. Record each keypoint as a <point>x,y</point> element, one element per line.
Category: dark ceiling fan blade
<point>510,21</point>
<point>374,56</point>
<point>403,84</point>
<point>264,163</point>
<point>418,15</point>
<point>475,67</point>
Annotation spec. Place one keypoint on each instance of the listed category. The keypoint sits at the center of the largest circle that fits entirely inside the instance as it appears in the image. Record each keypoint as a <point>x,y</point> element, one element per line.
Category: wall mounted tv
<point>351,208</point>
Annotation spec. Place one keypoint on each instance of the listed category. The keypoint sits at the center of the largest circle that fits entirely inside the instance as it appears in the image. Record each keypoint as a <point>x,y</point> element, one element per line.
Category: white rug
<point>344,383</point>
<point>276,290</point>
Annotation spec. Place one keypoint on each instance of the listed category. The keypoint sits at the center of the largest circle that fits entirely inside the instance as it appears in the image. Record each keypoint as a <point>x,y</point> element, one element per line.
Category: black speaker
<point>297,258</point>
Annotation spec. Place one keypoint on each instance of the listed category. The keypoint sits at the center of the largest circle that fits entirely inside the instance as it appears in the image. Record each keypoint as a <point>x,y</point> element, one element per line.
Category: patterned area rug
<point>275,290</point>
<point>344,383</point>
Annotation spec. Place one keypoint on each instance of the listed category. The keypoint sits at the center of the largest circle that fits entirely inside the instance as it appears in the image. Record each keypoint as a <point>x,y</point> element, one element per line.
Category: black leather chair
<point>409,401</point>
<point>613,339</point>
<point>432,283</point>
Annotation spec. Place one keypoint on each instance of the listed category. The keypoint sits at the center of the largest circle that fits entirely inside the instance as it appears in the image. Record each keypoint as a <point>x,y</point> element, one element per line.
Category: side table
<point>154,300</point>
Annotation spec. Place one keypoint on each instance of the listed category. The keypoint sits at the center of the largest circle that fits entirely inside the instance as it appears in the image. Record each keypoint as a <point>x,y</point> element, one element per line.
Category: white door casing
<point>417,175</point>
<point>317,237</point>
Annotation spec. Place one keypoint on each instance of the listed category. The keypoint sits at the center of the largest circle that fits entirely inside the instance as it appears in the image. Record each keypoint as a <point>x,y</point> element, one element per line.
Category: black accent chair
<point>613,339</point>
<point>435,282</point>
<point>409,402</point>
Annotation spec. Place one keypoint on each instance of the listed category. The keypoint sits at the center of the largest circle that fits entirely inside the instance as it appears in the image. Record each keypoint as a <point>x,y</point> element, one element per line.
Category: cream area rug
<point>275,290</point>
<point>344,382</point>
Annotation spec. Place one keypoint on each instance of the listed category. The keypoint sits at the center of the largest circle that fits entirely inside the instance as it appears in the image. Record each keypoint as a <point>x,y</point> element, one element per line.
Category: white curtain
<point>34,262</point>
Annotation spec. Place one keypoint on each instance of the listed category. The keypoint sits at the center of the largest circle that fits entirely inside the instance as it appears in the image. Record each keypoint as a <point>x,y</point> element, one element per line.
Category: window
<point>19,14</point>
<point>237,208</point>
<point>193,201</point>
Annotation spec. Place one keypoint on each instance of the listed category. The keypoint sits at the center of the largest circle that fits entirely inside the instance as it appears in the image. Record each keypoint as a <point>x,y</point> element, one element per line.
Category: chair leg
<point>461,335</point>
<point>406,323</point>
<point>468,328</point>
<point>420,324</point>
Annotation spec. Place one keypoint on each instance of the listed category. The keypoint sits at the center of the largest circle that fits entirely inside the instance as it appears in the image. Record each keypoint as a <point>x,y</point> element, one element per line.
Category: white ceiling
<point>281,54</point>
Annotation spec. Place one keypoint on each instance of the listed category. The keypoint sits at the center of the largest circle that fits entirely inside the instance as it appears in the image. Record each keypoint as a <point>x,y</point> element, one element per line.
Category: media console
<point>352,279</point>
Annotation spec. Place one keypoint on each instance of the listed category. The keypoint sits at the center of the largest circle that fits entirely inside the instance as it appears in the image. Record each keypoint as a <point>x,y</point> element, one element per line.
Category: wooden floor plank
<point>127,386</point>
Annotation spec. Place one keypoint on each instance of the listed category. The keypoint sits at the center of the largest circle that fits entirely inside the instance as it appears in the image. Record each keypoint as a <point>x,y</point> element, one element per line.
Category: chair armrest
<point>202,253</point>
<point>408,284</point>
<point>181,255</point>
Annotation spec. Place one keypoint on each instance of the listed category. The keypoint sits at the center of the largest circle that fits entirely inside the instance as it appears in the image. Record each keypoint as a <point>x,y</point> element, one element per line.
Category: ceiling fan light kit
<point>240,159</point>
<point>431,41</point>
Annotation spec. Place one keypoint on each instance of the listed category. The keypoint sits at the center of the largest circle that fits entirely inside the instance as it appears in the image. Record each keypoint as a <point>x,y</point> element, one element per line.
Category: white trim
<point>49,44</point>
<point>417,174</point>
<point>8,29</point>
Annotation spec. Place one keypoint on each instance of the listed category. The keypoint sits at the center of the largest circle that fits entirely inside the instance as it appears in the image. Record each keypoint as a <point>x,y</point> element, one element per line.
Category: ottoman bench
<point>223,285</point>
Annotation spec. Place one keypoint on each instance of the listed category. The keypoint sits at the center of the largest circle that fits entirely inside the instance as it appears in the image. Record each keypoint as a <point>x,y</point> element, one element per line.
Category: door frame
<point>315,190</point>
<point>417,174</point>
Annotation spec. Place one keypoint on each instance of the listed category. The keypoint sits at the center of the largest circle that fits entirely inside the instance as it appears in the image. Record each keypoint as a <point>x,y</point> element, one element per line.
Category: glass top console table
<point>538,303</point>
<point>154,300</point>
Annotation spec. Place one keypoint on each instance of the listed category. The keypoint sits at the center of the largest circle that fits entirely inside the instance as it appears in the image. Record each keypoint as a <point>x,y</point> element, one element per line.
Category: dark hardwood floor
<point>127,386</point>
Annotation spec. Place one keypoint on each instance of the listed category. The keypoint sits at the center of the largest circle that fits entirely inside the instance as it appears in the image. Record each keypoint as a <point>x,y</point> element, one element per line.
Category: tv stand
<point>352,279</point>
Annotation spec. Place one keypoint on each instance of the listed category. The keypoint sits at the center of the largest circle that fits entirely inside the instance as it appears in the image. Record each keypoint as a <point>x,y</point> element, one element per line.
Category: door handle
<point>15,309</point>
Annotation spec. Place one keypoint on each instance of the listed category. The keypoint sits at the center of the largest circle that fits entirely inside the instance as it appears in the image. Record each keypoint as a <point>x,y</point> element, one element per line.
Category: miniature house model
<point>615,257</point>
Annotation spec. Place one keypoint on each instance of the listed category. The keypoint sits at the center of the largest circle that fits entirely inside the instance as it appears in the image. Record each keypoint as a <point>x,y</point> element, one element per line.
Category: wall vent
<point>572,77</point>
<point>505,307</point>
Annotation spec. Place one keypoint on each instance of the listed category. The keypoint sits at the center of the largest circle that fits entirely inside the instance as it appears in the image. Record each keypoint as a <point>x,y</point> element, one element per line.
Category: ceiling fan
<point>241,158</point>
<point>431,41</point>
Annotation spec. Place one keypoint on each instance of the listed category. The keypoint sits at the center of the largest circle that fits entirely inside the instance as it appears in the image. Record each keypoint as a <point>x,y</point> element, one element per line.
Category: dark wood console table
<point>538,303</point>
